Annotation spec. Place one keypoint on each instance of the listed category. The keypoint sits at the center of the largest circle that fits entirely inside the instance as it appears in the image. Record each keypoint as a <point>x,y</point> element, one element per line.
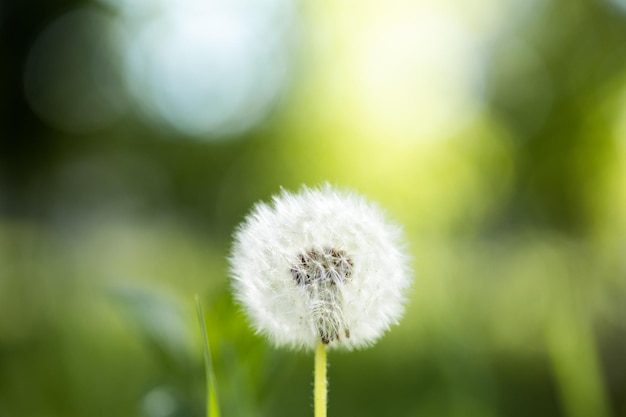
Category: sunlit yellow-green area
<point>136,135</point>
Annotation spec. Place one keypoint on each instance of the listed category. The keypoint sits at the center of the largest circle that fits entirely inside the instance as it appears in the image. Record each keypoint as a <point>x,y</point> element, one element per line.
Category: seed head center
<point>327,266</point>
<point>322,272</point>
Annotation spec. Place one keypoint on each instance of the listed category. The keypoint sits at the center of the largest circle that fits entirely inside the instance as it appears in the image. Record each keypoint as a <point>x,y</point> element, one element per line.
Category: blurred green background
<point>136,134</point>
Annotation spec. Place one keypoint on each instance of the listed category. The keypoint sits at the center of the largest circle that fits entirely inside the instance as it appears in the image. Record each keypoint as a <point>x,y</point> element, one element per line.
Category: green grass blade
<point>212,402</point>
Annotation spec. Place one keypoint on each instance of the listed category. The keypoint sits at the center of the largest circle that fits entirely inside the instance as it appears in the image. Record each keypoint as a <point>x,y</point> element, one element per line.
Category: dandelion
<point>320,268</point>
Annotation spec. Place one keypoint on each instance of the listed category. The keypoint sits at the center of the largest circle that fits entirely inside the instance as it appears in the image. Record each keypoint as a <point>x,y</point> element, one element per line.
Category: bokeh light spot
<point>160,402</point>
<point>421,77</point>
<point>207,69</point>
<point>620,4</point>
<point>71,78</point>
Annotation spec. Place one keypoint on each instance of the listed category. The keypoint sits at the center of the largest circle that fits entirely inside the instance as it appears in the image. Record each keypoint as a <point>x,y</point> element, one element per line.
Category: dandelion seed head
<point>320,264</point>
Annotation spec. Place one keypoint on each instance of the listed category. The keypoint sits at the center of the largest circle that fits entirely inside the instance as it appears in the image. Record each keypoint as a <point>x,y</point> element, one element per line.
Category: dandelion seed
<point>321,265</point>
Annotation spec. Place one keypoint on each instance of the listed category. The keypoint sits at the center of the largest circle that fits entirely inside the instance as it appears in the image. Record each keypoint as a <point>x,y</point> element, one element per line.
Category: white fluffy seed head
<point>321,264</point>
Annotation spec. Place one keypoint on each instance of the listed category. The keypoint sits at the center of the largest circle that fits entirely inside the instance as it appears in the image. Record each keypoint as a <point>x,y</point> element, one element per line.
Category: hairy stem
<point>320,392</point>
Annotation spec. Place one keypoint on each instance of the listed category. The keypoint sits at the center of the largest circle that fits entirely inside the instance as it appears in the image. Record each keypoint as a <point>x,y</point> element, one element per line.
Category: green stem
<point>320,392</point>
<point>212,403</point>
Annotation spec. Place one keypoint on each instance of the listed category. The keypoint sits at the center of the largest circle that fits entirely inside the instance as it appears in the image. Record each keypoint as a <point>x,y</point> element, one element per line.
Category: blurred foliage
<point>494,131</point>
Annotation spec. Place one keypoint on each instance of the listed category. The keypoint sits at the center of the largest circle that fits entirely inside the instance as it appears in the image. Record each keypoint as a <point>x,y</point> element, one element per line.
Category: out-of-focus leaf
<point>158,319</point>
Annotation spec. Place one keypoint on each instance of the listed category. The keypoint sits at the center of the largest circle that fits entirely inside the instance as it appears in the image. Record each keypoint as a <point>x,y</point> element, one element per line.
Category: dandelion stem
<point>320,392</point>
